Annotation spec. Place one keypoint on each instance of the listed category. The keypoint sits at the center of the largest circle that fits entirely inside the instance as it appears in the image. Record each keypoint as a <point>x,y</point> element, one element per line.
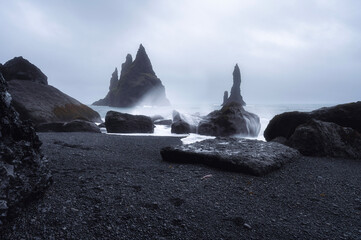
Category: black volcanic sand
<point>118,187</point>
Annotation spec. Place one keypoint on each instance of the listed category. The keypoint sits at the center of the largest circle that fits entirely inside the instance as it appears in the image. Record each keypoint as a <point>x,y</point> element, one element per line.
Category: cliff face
<point>138,84</point>
<point>236,89</point>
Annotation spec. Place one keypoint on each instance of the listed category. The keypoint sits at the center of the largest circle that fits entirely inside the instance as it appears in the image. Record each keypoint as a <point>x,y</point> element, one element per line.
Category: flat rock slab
<point>233,154</point>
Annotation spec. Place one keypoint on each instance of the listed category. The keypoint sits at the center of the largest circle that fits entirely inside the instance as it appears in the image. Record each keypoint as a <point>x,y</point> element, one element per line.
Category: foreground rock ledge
<point>232,154</point>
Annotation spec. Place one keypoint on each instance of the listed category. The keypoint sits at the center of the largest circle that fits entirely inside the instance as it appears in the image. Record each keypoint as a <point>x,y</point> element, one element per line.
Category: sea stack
<point>236,89</point>
<point>232,118</point>
<point>138,84</point>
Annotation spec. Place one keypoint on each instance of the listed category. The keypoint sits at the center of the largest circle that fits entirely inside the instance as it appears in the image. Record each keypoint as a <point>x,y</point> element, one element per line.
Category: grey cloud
<point>288,51</point>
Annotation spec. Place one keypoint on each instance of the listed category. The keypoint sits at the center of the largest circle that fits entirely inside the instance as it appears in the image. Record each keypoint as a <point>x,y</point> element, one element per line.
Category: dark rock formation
<point>19,68</point>
<point>114,80</point>
<point>232,154</point>
<point>180,125</point>
<point>317,138</point>
<point>236,89</point>
<point>230,120</point>
<point>225,97</point>
<point>126,64</point>
<point>50,127</point>
<point>73,126</point>
<point>23,171</point>
<point>39,102</point>
<point>117,122</point>
<point>345,115</point>
<point>138,84</point>
<point>43,103</point>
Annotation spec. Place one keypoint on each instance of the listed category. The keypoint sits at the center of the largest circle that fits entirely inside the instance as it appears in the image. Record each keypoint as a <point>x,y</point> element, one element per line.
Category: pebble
<point>246,225</point>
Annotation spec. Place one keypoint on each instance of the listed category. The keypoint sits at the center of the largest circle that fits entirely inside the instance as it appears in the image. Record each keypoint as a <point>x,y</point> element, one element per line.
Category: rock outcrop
<point>232,154</point>
<point>39,102</point>
<point>326,139</point>
<point>138,84</point>
<point>232,119</point>
<point>235,95</point>
<point>345,115</point>
<point>23,170</point>
<point>116,122</point>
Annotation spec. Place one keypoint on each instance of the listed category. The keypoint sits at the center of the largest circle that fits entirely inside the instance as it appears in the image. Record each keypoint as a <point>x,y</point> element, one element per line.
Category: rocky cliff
<point>138,84</point>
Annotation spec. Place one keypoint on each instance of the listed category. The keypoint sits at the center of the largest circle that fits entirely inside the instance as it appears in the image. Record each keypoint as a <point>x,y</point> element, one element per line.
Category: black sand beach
<point>118,187</point>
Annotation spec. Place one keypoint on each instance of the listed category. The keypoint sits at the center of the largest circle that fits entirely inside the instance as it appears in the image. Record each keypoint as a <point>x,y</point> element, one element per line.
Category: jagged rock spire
<point>142,63</point>
<point>235,95</point>
<point>114,80</point>
<point>225,97</point>
<point>126,64</point>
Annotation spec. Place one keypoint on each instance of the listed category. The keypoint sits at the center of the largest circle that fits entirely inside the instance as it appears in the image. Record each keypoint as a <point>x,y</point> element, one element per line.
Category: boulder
<point>81,126</point>
<point>19,68</point>
<point>233,154</point>
<point>235,95</point>
<point>326,139</point>
<point>24,174</point>
<point>73,126</point>
<point>117,122</point>
<point>345,115</point>
<point>180,125</point>
<point>138,84</point>
<point>43,104</point>
<point>39,102</point>
<point>232,119</point>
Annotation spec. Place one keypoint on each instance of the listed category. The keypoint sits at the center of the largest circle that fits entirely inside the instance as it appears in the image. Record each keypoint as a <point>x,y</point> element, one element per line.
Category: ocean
<point>192,113</point>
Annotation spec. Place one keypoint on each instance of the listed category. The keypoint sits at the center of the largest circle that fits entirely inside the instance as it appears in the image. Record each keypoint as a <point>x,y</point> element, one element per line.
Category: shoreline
<point>118,187</point>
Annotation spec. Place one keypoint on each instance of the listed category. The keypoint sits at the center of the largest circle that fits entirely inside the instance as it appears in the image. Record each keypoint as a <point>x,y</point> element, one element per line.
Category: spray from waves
<point>193,114</point>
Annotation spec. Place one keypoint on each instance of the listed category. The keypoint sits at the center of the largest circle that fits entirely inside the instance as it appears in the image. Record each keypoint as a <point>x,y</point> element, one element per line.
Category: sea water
<point>193,113</point>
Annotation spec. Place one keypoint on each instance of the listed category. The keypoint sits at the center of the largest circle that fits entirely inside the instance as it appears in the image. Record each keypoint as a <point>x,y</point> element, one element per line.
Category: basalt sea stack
<point>232,118</point>
<point>138,84</point>
<point>235,90</point>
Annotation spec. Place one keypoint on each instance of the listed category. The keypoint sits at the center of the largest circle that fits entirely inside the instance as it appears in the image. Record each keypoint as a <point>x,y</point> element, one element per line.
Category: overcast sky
<point>288,51</point>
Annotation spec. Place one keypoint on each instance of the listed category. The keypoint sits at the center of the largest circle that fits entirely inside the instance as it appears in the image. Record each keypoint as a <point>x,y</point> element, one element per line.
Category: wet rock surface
<point>231,154</point>
<point>230,120</point>
<point>345,115</point>
<point>116,122</point>
<point>24,175</point>
<point>118,187</point>
<point>317,138</point>
<point>138,84</point>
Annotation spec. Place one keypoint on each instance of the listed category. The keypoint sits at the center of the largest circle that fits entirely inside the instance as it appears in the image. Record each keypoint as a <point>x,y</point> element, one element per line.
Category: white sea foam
<point>193,113</point>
